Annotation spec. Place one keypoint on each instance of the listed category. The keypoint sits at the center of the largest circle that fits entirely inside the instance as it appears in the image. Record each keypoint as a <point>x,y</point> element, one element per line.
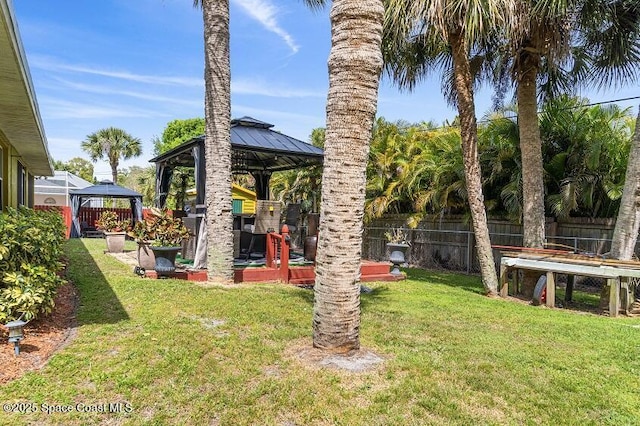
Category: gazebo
<point>102,190</point>
<point>256,149</point>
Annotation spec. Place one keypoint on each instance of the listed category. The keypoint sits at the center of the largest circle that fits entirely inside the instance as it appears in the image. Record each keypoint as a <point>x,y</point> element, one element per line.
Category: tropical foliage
<point>142,180</point>
<point>301,186</point>
<point>78,166</point>
<point>30,252</point>
<point>417,169</point>
<point>177,132</point>
<point>161,228</point>
<point>109,222</point>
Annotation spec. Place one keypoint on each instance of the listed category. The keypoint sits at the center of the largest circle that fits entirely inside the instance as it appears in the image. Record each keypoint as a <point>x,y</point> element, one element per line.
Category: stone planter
<point>115,241</point>
<point>165,257</point>
<point>146,259</point>
<point>397,253</point>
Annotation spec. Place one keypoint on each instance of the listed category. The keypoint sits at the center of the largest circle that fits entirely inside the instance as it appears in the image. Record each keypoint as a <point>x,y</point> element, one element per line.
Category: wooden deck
<point>277,268</point>
<point>297,275</point>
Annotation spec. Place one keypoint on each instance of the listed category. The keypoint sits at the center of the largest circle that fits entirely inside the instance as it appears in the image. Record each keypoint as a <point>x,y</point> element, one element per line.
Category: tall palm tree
<point>218,199</point>
<point>355,63</point>
<point>447,34</point>
<point>112,144</point>
<point>554,47</point>
<point>625,233</point>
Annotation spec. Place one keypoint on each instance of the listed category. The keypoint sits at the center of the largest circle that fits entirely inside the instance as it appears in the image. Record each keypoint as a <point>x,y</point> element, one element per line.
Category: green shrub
<point>30,251</point>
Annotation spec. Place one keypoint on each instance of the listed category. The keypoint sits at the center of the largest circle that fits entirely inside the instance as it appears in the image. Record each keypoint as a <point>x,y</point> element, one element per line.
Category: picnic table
<point>618,273</point>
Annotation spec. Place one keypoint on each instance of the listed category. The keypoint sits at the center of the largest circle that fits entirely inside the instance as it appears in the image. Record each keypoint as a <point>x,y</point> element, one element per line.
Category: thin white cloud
<point>55,109</point>
<point>50,65</point>
<point>261,88</point>
<point>105,90</point>
<point>265,13</point>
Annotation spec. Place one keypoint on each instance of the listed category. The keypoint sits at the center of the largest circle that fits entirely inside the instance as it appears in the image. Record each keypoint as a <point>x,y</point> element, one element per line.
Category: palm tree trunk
<point>218,140</point>
<point>472,172</point>
<point>355,63</point>
<point>114,173</point>
<point>531,151</point>
<point>625,234</point>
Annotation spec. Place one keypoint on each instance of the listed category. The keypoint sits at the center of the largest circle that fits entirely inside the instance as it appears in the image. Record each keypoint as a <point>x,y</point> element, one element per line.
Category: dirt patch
<point>43,337</point>
<point>359,361</point>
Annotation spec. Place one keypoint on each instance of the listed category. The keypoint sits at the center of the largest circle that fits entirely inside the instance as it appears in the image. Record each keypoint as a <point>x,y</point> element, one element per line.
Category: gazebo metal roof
<point>106,188</point>
<point>255,147</point>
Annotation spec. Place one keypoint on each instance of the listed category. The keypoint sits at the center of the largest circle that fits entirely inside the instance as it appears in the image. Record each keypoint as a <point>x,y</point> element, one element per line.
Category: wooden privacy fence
<point>65,212</point>
<point>89,215</point>
<point>449,243</point>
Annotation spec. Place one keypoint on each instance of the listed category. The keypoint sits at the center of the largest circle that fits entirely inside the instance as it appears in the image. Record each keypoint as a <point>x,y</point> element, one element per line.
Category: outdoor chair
<point>87,231</point>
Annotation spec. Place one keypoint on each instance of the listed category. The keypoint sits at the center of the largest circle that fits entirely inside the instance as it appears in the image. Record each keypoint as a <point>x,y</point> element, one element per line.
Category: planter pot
<point>165,259</point>
<point>146,259</point>
<point>310,247</point>
<point>397,256</point>
<point>115,241</point>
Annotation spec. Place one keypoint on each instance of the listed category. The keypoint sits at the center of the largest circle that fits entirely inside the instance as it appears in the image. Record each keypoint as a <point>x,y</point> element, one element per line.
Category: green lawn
<point>180,353</point>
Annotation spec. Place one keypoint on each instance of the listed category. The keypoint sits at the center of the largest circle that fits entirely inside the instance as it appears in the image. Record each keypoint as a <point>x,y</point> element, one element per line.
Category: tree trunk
<point>114,173</point>
<point>625,234</point>
<point>355,63</point>
<point>531,152</point>
<point>533,219</point>
<point>473,175</point>
<point>218,140</point>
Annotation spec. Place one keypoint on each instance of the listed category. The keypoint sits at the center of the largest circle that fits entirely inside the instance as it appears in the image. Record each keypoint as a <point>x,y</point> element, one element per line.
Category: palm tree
<point>218,139</point>
<point>355,63</point>
<point>112,144</point>
<point>446,34</point>
<point>625,233</point>
<point>556,46</point>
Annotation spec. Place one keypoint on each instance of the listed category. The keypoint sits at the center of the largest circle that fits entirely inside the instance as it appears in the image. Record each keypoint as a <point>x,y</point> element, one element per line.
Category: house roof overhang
<point>20,120</point>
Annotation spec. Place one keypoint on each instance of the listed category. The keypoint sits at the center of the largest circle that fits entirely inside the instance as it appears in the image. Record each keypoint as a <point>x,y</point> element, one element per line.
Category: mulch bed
<point>43,337</point>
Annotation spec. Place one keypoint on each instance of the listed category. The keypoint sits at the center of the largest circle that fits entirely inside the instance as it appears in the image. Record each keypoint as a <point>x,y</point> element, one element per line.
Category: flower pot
<point>165,259</point>
<point>115,241</point>
<point>397,256</point>
<point>146,259</point>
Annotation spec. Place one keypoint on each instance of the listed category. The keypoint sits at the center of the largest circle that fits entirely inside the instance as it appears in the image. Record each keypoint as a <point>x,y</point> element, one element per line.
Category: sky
<point>139,64</point>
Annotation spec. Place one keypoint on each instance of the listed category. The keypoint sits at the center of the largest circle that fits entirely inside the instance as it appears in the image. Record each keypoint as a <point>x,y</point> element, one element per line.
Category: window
<point>22,185</point>
<point>1,178</point>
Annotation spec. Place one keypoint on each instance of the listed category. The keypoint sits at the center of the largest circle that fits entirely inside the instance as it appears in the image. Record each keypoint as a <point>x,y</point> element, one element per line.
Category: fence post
<point>468,252</point>
<point>284,254</point>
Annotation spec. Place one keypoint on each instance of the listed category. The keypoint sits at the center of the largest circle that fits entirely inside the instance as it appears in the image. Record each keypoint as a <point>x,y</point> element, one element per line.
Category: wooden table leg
<point>551,289</point>
<point>504,281</point>
<point>614,296</point>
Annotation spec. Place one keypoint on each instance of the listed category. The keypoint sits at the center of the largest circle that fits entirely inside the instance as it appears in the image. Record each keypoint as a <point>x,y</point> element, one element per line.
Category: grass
<point>180,353</point>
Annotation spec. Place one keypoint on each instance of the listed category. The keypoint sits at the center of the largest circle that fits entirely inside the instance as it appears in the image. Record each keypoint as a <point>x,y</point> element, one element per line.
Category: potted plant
<point>169,232</point>
<point>114,230</point>
<point>143,232</point>
<point>397,243</point>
